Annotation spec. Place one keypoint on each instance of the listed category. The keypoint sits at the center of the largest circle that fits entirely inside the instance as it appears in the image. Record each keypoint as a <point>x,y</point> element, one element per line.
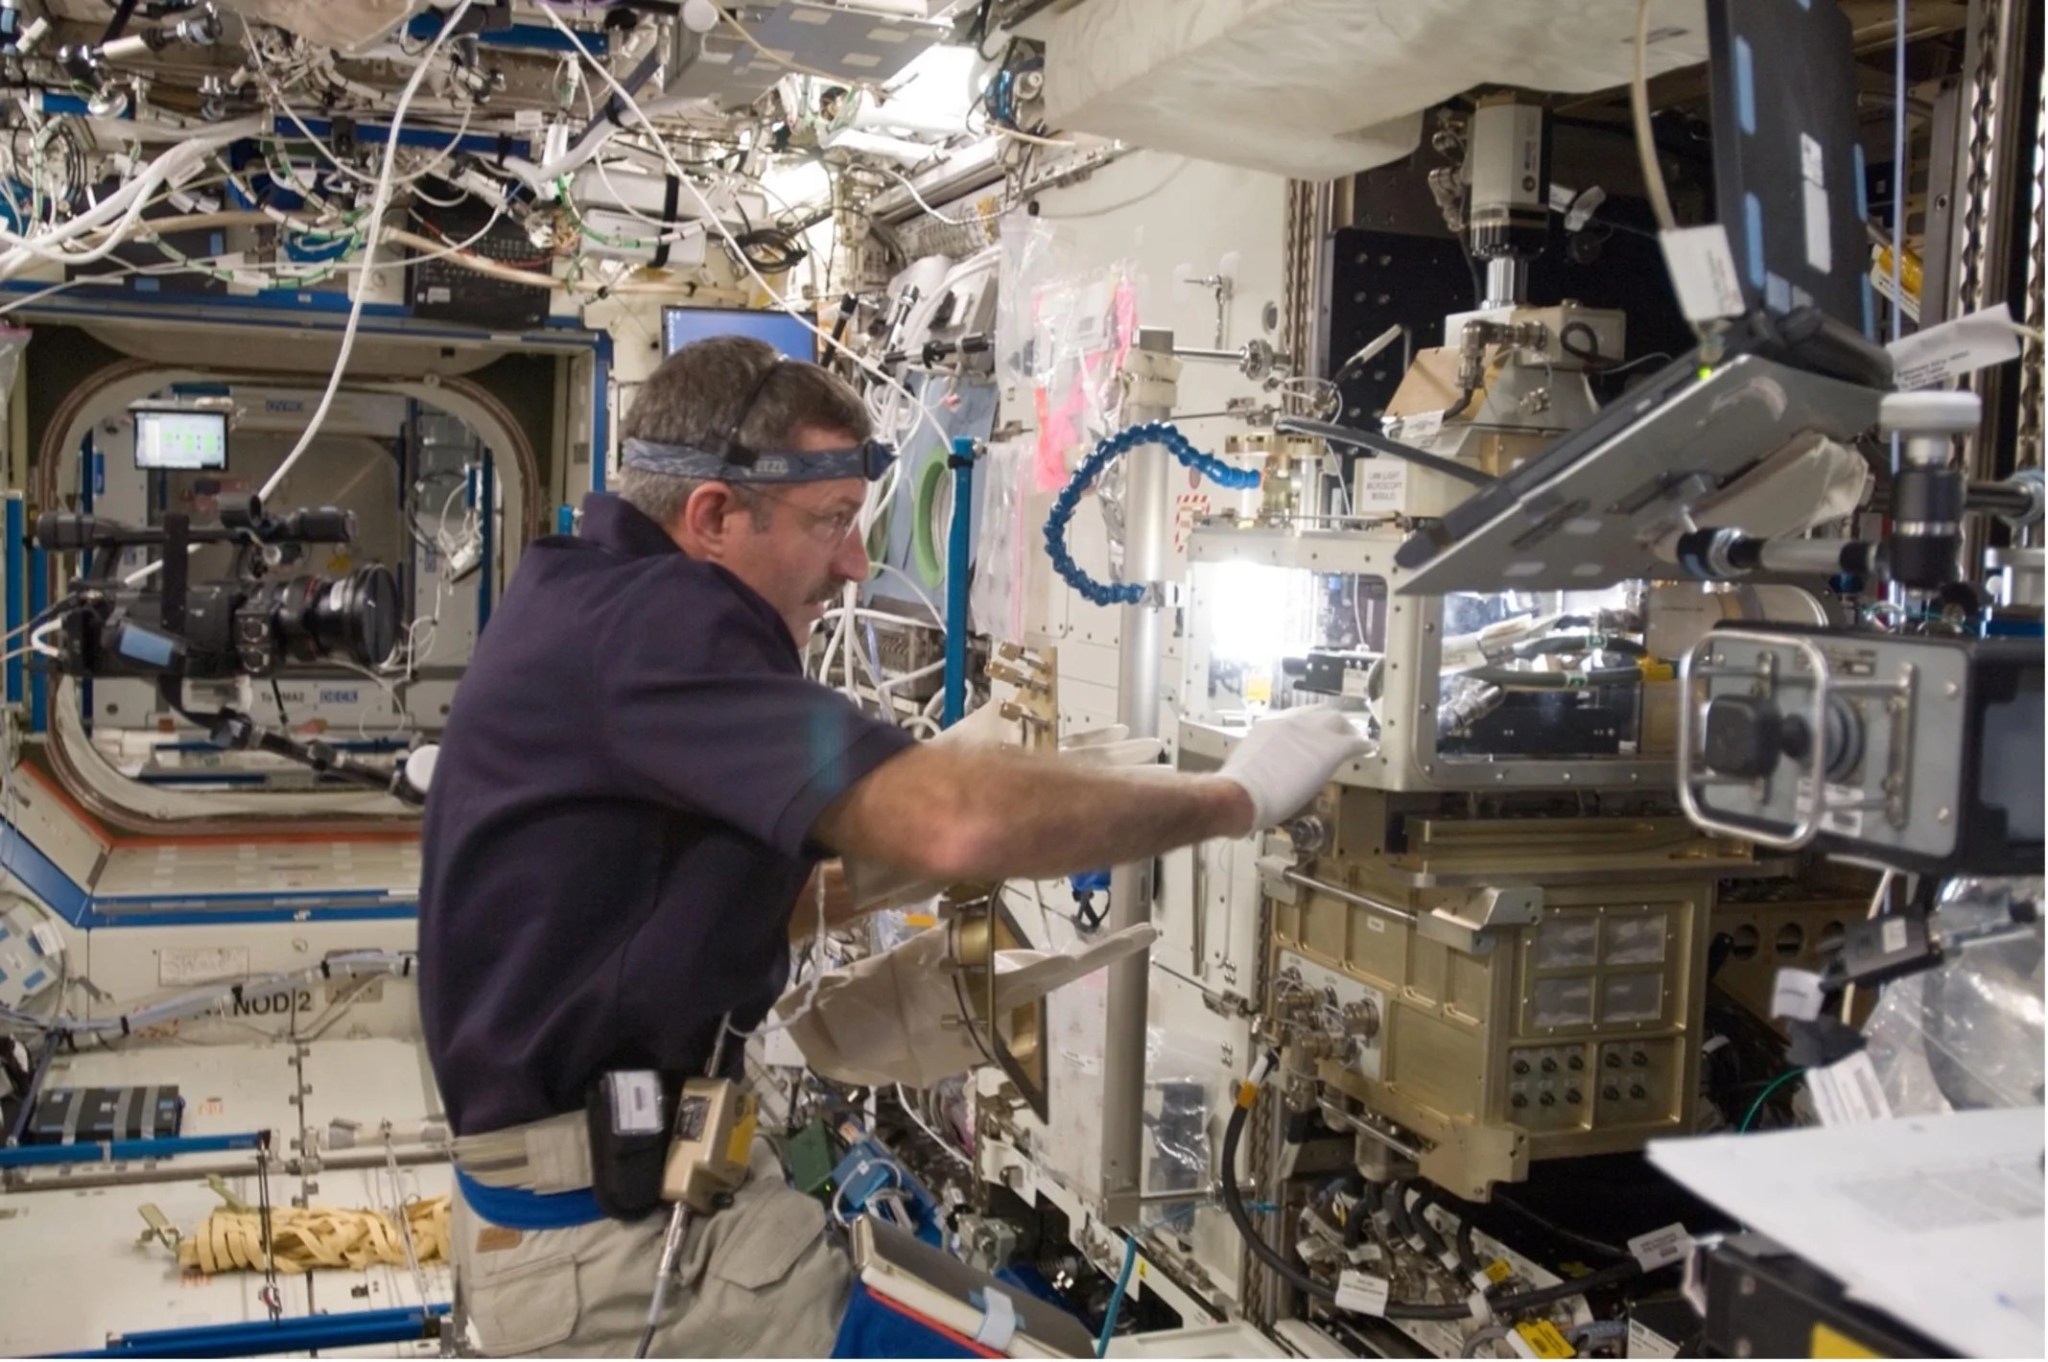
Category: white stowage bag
<point>346,24</point>
<point>898,1017</point>
<point>1322,88</point>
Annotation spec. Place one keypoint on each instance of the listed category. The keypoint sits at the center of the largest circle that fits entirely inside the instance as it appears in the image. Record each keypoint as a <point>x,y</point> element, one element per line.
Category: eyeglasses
<point>825,528</point>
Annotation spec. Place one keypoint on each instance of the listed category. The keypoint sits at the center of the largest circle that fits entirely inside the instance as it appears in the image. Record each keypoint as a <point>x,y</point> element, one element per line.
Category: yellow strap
<point>316,1237</point>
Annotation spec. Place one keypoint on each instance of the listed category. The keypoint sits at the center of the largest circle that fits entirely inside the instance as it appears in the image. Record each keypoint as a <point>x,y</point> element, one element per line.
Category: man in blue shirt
<point>636,785</point>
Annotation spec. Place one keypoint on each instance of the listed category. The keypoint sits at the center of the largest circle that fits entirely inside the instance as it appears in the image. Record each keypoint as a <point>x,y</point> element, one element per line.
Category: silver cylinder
<point>1148,516</point>
<point>1507,281</point>
<point>2019,577</point>
<point>134,47</point>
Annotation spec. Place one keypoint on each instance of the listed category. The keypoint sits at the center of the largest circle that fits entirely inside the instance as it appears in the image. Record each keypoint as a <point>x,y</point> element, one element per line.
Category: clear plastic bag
<point>1063,337</point>
<point>1967,1034</point>
<point>1002,568</point>
<point>1186,1092</point>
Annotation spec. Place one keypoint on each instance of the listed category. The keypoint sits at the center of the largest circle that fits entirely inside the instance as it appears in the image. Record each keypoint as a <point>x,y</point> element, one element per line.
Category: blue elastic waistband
<point>518,1209</point>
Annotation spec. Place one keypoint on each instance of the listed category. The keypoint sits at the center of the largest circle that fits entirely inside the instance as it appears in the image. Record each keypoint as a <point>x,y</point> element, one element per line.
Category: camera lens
<point>353,617</point>
<point>357,616</point>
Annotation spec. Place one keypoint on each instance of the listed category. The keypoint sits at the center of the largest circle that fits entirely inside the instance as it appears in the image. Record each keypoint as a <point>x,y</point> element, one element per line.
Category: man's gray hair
<point>694,397</point>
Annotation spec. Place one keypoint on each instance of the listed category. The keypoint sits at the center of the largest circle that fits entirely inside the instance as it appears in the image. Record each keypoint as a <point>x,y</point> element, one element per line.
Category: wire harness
<point>1105,453</point>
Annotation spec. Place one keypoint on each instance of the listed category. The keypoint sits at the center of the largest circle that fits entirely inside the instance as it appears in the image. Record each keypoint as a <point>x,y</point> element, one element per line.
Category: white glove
<point>1284,762</point>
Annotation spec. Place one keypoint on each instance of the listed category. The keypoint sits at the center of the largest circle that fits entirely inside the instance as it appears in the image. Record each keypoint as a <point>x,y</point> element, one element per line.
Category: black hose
<point>1360,1217</point>
<point>1569,1236</point>
<point>1380,444</point>
<point>1550,1295</point>
<point>1432,1242</point>
<point>1397,1209</point>
<point>1468,1255</point>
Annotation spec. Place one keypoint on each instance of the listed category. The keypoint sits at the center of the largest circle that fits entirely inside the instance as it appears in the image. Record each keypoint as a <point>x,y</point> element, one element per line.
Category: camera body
<point>265,618</point>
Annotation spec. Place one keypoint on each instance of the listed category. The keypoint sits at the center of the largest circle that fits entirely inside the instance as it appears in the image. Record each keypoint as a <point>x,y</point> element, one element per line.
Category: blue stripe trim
<point>488,499</point>
<point>300,899</point>
<point>15,577</point>
<point>1862,185</point>
<point>1745,86</point>
<point>38,597</point>
<point>600,411</point>
<point>64,895</point>
<point>518,37</point>
<point>559,333</point>
<point>516,1209</point>
<point>1869,309</point>
<point>123,1151</point>
<point>76,905</point>
<point>1753,238</point>
<point>351,745</point>
<point>94,920</point>
<point>257,1337</point>
<point>376,135</point>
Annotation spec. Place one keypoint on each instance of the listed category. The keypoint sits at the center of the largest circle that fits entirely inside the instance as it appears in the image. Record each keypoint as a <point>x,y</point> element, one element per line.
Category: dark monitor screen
<point>681,325</point>
<point>180,439</point>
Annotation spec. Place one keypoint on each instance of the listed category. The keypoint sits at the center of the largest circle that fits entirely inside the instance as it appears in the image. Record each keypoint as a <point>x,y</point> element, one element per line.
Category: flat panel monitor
<point>681,325</point>
<point>181,439</point>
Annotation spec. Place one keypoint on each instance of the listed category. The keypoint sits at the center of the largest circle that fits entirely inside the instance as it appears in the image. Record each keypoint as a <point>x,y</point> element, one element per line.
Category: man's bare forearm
<point>1002,815</point>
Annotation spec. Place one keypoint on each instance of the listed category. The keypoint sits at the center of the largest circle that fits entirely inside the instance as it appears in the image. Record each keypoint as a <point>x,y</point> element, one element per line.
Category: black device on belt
<point>628,1116</point>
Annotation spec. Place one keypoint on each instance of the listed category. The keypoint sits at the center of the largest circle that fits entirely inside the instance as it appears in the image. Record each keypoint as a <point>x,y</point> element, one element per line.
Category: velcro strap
<point>998,1320</point>
<point>548,1156</point>
<point>558,1154</point>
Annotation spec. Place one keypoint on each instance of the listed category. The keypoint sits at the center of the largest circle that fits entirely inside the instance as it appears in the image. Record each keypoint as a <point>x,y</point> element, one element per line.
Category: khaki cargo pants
<point>760,1278</point>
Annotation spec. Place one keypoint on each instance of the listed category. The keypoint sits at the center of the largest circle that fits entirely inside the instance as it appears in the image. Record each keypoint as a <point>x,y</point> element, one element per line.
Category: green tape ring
<point>924,548</point>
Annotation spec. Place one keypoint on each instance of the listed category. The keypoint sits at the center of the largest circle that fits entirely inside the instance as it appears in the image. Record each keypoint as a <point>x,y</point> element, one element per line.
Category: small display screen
<point>181,439</point>
<point>681,325</point>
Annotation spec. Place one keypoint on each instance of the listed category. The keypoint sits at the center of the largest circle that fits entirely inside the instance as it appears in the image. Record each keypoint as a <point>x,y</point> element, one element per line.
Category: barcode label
<point>1703,272</point>
<point>1848,1093</point>
<point>1659,1247</point>
<point>1362,1293</point>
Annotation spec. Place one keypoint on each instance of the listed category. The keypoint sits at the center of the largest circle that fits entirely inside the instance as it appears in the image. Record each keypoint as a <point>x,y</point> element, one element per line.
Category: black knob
<point>1611,1093</point>
<point>1637,1091</point>
<point>1549,1065</point>
<point>1745,736</point>
<point>1519,1100</point>
<point>1640,1060</point>
<point>1575,1063</point>
<point>1613,1059</point>
<point>1572,1096</point>
<point>1547,1100</point>
<point>1520,1066</point>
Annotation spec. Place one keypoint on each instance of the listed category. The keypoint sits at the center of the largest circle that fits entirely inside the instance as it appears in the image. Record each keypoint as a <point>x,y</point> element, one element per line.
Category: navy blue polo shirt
<point>618,826</point>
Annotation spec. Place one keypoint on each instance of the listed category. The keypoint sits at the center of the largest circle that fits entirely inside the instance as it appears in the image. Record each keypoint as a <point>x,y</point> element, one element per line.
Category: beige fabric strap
<point>545,1156</point>
<point>316,1237</point>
